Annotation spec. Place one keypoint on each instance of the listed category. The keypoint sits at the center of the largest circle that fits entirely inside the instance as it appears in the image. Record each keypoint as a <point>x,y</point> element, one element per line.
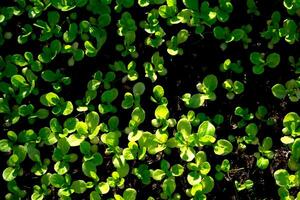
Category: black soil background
<point>202,56</point>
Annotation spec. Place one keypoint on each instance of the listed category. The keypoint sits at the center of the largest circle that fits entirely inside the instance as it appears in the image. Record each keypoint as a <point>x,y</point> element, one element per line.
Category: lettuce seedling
<point>128,194</point>
<point>60,106</point>
<point>292,7</point>
<point>290,89</point>
<point>272,32</point>
<point>251,131</point>
<point>289,31</point>
<point>198,177</point>
<point>152,27</point>
<point>130,70</point>
<point>158,95</point>
<point>272,61</point>
<point>291,124</point>
<point>107,98</point>
<point>169,11</point>
<point>173,45</point>
<point>135,98</point>
<point>236,35</point>
<point>228,65</point>
<point>247,185</point>
<point>49,28</point>
<point>265,153</point>
<point>206,89</point>
<point>222,170</point>
<point>233,88</point>
<point>142,172</point>
<point>295,64</point>
<point>244,113</point>
<point>156,66</point>
<point>252,8</point>
<point>26,34</point>
<point>127,29</point>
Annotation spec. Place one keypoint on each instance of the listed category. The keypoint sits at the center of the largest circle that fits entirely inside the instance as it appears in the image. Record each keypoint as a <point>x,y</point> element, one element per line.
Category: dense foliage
<point>149,99</point>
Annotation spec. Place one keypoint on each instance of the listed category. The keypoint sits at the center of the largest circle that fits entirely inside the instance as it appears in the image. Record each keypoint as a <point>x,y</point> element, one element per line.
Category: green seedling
<point>173,45</point>
<point>295,64</point>
<point>129,70</point>
<point>127,29</point>
<point>290,89</point>
<point>128,194</point>
<point>233,88</point>
<point>292,7</point>
<point>247,185</point>
<point>228,65</point>
<point>107,98</point>
<point>206,89</point>
<point>236,35</point>
<point>272,32</point>
<point>135,98</point>
<point>251,131</point>
<point>244,114</point>
<point>60,106</point>
<point>252,8</point>
<point>222,170</point>
<point>198,177</point>
<point>265,153</point>
<point>272,61</point>
<point>152,27</point>
<point>49,28</point>
<point>155,67</point>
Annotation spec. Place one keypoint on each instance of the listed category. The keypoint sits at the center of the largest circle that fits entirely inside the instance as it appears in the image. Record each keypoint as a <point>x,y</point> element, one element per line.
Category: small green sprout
<point>272,61</point>
<point>206,89</point>
<point>228,65</point>
<point>247,185</point>
<point>173,44</point>
<point>222,170</point>
<point>290,89</point>
<point>233,88</point>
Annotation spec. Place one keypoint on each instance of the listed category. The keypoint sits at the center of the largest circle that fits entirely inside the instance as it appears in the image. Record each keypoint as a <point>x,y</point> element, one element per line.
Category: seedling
<point>290,89</point>
<point>206,89</point>
<point>233,88</point>
<point>272,61</point>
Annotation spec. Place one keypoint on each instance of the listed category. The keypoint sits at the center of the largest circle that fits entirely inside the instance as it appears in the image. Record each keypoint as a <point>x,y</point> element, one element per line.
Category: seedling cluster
<point>149,99</point>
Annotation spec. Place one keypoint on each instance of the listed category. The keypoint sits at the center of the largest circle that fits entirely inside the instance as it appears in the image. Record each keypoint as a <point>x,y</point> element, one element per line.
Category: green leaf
<point>282,177</point>
<point>75,139</point>
<point>177,170</point>
<point>273,60</point>
<point>79,186</point>
<point>184,127</point>
<point>279,91</point>
<point>256,58</point>
<point>9,174</point>
<point>49,99</point>
<point>157,174</point>
<point>191,4</point>
<point>210,82</point>
<point>57,180</point>
<point>223,147</point>
<point>129,194</point>
<point>161,112</point>
<point>138,115</point>
<point>182,36</point>
<point>109,95</point>
<point>169,186</point>
<point>138,89</point>
<point>92,120</point>
<point>18,81</point>
<point>206,128</point>
<point>103,187</point>
<point>5,145</point>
